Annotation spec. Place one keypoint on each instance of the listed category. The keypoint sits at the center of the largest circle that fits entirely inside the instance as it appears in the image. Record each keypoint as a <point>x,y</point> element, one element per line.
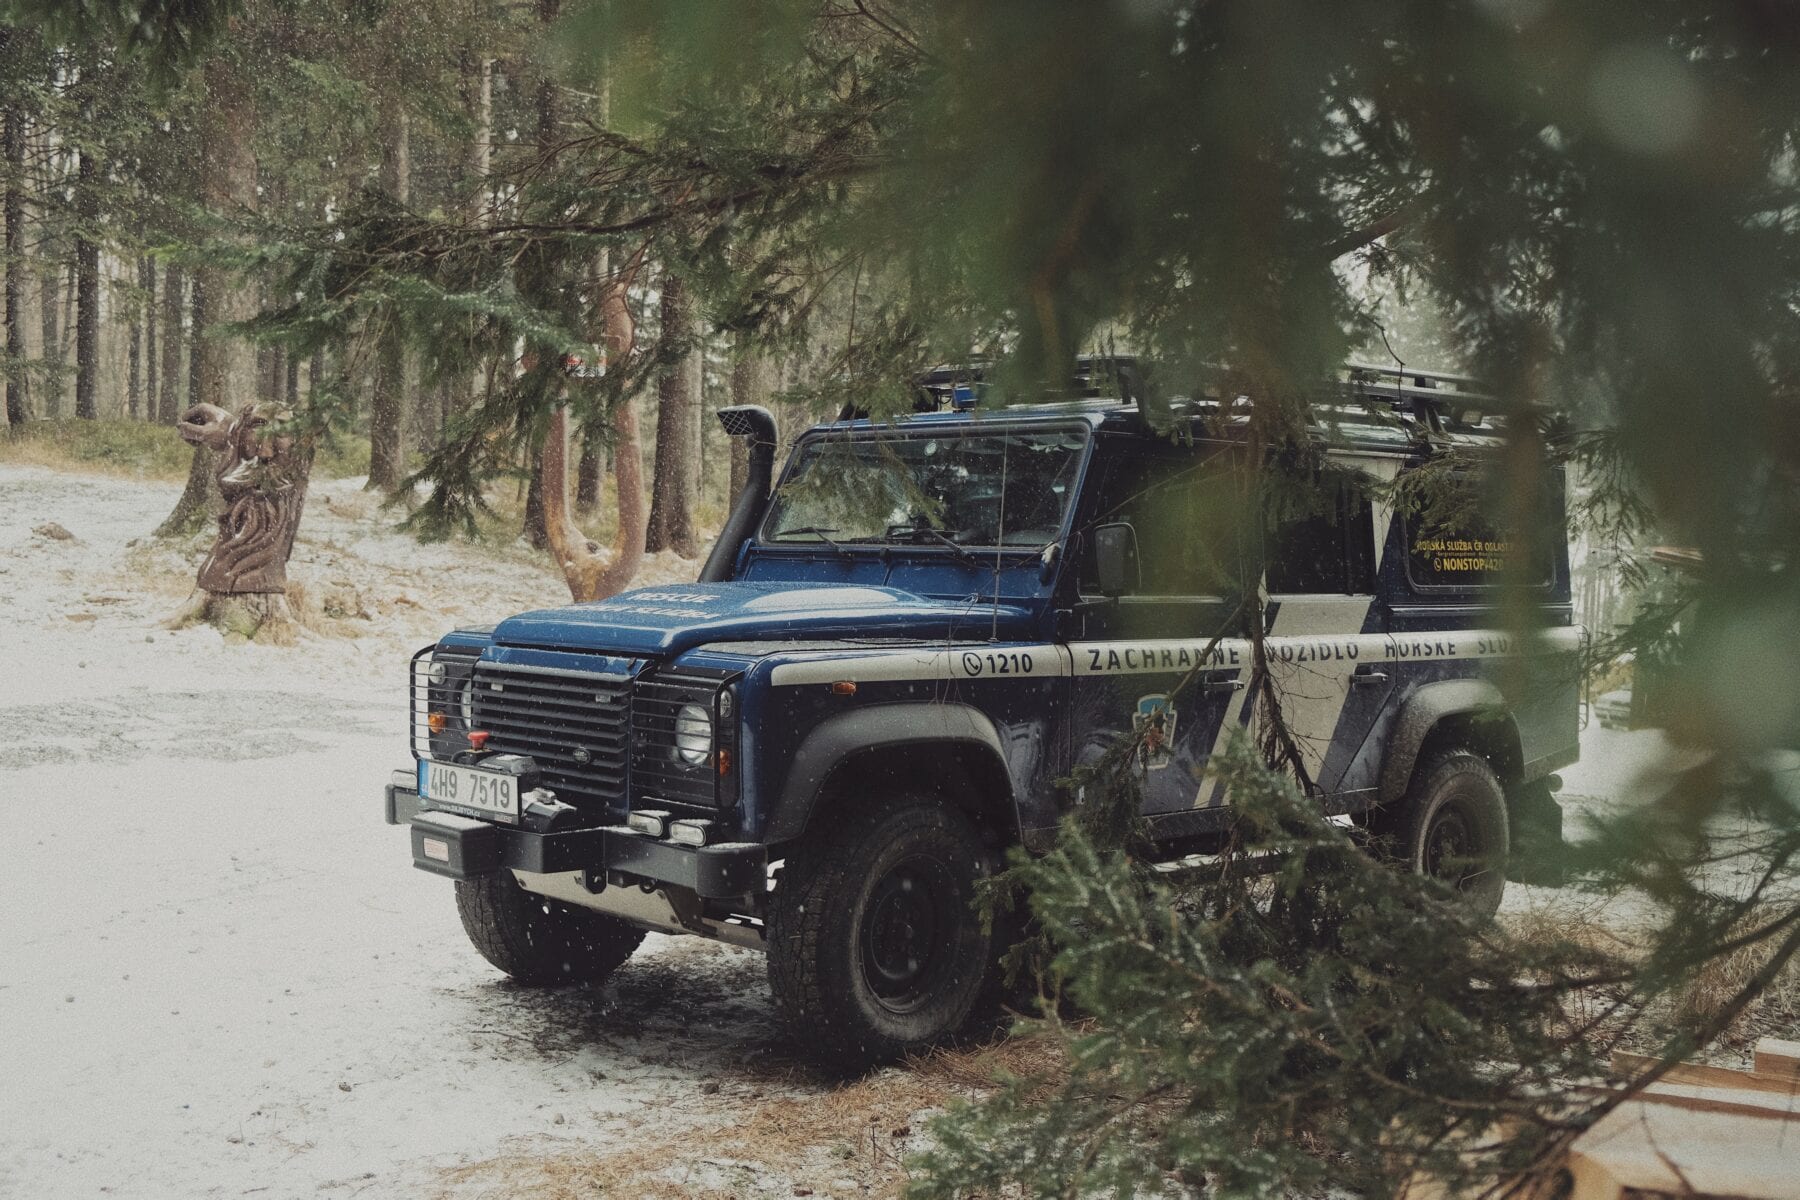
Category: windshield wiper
<point>818,531</point>
<point>962,551</point>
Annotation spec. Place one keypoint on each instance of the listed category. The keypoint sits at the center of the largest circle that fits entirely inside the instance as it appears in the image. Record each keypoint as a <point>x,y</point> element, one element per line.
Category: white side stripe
<point>1165,655</point>
<point>1140,657</point>
<point>975,662</point>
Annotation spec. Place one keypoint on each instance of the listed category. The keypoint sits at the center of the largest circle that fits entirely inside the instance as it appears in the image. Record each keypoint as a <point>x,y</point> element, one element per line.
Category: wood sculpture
<point>262,475</point>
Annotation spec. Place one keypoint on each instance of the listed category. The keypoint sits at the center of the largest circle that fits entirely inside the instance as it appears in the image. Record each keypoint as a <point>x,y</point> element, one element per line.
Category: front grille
<point>575,724</point>
<point>658,774</point>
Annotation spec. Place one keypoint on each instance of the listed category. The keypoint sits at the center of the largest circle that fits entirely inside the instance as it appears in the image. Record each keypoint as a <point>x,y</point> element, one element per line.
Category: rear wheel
<point>537,940</point>
<point>1452,826</point>
<point>875,949</point>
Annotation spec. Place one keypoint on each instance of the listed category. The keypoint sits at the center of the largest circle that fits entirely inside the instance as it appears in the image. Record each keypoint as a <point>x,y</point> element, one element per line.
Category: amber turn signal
<point>844,687</point>
<point>724,760</point>
<point>437,721</point>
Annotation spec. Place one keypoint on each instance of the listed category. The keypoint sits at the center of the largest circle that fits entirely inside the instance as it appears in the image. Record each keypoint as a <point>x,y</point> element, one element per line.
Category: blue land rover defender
<point>893,655</point>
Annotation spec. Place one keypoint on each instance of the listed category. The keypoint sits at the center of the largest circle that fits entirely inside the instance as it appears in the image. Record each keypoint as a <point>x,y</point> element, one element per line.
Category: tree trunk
<point>290,387</point>
<point>167,405</point>
<point>196,327</point>
<point>387,410</point>
<point>589,576</point>
<point>748,386</point>
<point>87,257</point>
<point>228,184</point>
<point>532,527</point>
<point>147,281</point>
<point>134,363</point>
<point>587,475</point>
<point>536,531</point>
<point>196,500</point>
<point>12,138</point>
<point>50,348</point>
<point>268,369</point>
<point>221,369</point>
<point>671,524</point>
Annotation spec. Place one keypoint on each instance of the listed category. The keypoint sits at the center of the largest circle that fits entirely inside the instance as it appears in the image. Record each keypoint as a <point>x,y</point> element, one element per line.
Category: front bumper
<point>463,848</point>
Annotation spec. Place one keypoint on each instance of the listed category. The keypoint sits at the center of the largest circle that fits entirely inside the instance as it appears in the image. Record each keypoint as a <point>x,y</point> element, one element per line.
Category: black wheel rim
<point>1451,853</point>
<point>909,932</point>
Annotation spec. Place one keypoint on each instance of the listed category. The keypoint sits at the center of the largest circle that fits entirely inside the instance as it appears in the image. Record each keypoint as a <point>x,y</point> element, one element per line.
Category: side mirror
<point>1116,558</point>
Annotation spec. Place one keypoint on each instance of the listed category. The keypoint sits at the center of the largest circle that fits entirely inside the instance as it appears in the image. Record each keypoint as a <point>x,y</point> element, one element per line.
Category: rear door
<point>1319,568</point>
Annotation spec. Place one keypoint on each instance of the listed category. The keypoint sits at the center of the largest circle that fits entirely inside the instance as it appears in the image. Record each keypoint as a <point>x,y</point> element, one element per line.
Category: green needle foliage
<point>1305,1019</point>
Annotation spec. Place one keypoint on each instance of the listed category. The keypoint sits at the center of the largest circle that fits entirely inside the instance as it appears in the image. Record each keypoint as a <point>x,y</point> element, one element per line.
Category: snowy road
<point>220,975</point>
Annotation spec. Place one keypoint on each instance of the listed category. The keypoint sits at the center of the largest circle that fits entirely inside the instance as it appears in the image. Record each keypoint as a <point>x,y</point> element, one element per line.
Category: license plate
<point>470,789</point>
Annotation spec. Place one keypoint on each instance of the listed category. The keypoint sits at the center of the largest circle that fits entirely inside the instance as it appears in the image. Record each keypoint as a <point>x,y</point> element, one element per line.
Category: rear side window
<point>1460,545</point>
<point>1326,545</point>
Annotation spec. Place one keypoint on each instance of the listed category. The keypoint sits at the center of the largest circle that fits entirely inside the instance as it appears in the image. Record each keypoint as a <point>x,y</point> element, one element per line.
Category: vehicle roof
<point>1347,426</point>
<point>1374,409</point>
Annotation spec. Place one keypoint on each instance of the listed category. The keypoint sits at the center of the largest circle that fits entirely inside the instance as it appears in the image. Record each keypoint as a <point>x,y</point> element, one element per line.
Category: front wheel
<point>875,948</point>
<point>537,940</point>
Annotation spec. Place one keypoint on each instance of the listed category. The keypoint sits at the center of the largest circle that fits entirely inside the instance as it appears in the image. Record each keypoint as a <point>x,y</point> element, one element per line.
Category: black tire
<point>875,949</point>
<point>1452,825</point>
<point>537,940</point>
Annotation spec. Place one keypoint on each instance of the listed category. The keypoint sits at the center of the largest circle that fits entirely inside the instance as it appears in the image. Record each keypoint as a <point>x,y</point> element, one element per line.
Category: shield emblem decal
<point>1154,723</point>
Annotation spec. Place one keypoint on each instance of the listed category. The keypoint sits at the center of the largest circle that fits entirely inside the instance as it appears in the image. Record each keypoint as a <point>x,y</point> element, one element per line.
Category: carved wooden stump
<point>262,476</point>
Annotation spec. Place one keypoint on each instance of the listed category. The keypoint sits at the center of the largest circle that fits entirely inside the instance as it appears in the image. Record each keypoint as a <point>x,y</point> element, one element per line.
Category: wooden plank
<point>1630,1066</point>
<point>1777,1057</point>
<point>1737,1101</point>
<point>1656,1148</point>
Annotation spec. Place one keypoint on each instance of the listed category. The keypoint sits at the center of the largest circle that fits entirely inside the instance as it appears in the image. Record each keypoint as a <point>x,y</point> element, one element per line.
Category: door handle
<point>1362,677</point>
<point>1222,687</point>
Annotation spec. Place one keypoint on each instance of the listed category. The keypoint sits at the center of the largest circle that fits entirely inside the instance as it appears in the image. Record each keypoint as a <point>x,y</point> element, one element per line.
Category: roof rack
<point>1434,398</point>
<point>960,385</point>
<point>1438,401</point>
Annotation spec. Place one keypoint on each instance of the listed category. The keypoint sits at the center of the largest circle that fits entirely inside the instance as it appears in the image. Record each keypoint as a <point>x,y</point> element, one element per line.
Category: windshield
<point>969,488</point>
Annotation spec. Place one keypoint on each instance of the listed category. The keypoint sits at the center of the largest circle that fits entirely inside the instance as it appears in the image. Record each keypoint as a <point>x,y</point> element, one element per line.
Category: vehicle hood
<point>672,618</point>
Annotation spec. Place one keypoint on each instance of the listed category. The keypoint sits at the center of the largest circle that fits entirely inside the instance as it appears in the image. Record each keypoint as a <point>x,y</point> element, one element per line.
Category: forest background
<point>420,227</point>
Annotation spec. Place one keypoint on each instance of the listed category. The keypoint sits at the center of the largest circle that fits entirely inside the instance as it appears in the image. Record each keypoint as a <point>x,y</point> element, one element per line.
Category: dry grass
<point>1695,1004</point>
<point>851,1138</point>
<point>142,450</point>
<point>1774,1013</point>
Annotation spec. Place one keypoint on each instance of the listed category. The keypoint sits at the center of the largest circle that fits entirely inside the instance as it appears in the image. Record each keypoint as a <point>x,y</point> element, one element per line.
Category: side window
<point>1326,545</point>
<point>1458,546</point>
<point>1187,517</point>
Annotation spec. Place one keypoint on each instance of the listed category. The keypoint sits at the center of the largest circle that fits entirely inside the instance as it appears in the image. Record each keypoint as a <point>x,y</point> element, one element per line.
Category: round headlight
<point>439,672</point>
<point>693,734</point>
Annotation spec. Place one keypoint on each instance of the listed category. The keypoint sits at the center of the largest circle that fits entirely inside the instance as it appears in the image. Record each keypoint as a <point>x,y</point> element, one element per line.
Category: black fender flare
<point>1420,714</point>
<point>878,727</point>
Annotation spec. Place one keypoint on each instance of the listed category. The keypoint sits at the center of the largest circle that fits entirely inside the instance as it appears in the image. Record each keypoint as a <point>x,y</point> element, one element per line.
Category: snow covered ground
<point>220,975</point>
